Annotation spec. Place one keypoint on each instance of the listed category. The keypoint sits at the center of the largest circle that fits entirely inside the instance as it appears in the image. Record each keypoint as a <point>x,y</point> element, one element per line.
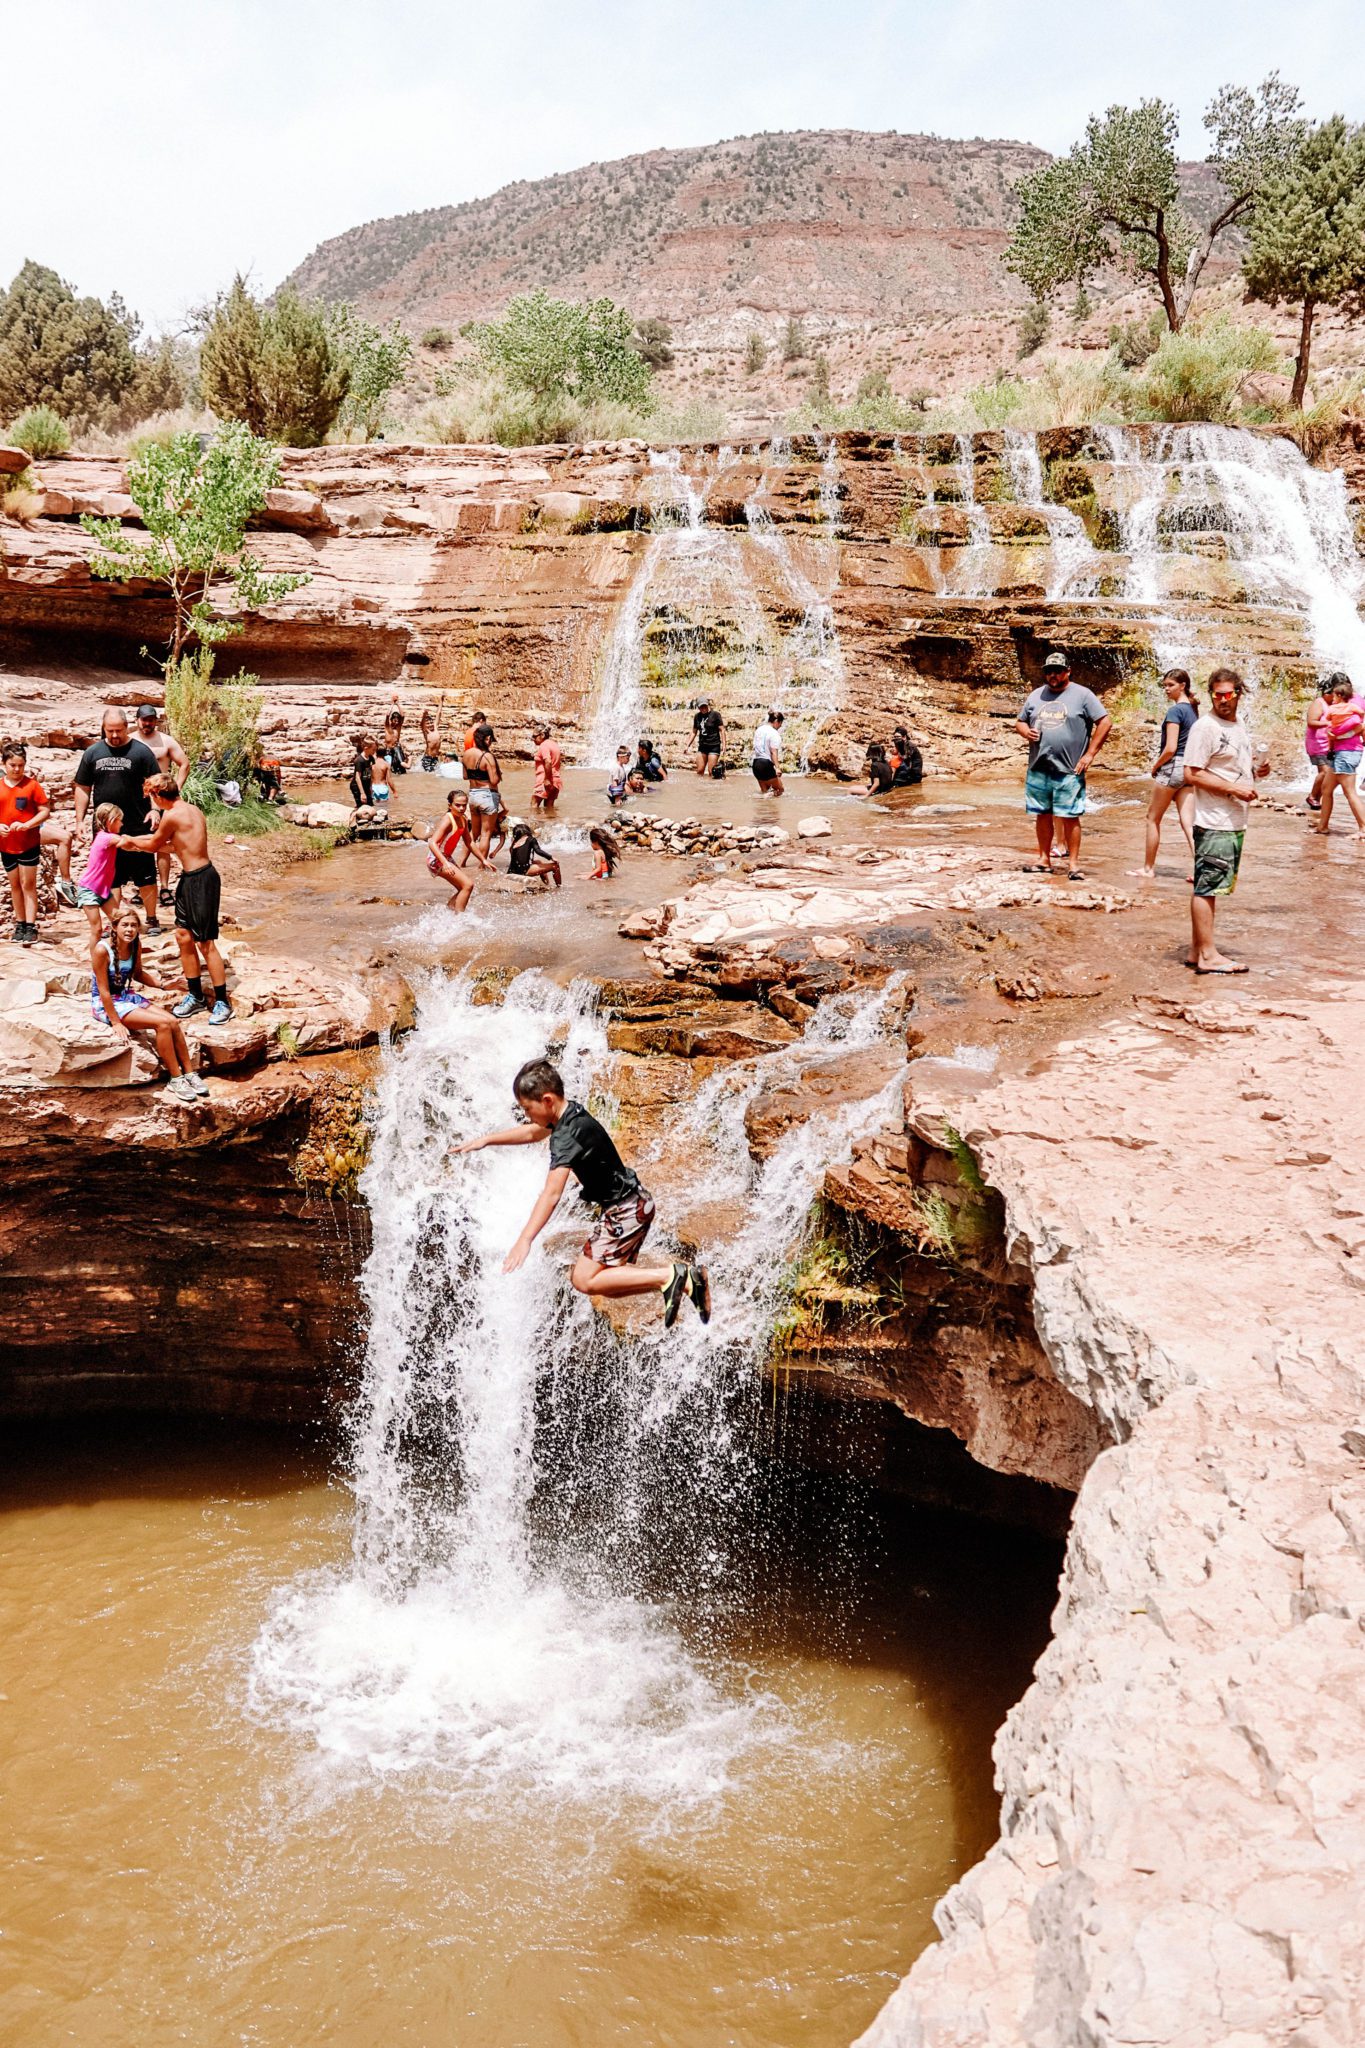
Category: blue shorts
<point>1063,795</point>
<point>1343,763</point>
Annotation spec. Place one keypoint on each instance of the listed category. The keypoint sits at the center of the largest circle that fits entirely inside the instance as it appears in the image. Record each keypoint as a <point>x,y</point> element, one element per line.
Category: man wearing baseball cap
<point>1065,725</point>
<point>171,759</point>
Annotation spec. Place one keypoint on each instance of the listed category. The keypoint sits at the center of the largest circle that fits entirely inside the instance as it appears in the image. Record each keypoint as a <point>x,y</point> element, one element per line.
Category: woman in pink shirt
<point>549,777</point>
<point>1345,723</point>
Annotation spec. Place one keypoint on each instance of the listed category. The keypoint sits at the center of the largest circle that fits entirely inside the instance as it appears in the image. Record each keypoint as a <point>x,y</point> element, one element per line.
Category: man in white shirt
<point>767,761</point>
<point>1219,764</point>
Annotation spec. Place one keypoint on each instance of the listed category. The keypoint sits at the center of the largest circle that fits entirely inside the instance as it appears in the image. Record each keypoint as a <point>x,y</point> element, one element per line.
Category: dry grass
<point>20,504</point>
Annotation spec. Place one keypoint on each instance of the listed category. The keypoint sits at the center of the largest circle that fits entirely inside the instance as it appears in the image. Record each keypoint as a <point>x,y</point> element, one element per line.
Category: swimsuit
<point>121,991</point>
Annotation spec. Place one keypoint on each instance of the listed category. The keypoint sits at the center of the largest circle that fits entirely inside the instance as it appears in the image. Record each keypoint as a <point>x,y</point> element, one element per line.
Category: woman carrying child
<point>1346,729</point>
<point>116,963</point>
<point>526,855</point>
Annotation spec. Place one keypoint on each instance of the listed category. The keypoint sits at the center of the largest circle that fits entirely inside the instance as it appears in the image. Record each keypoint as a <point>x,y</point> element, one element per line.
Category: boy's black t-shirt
<point>582,1144</point>
<point>706,725</point>
<point>115,775</point>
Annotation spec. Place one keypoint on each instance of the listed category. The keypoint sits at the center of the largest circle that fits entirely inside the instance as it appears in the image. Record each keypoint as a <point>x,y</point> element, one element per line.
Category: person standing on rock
<point>182,828</point>
<point>1168,770</point>
<point>116,769</point>
<point>709,730</point>
<point>767,762</point>
<point>1065,725</point>
<point>24,808</point>
<point>1219,765</point>
<point>605,1269</point>
<point>171,759</point>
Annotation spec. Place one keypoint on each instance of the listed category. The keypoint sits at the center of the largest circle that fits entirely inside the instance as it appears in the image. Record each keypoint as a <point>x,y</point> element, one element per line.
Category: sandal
<point>1036,868</point>
<point>1076,874</point>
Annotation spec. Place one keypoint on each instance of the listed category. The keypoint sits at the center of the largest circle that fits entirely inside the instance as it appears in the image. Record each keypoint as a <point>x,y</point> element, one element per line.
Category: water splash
<point>527,1482</point>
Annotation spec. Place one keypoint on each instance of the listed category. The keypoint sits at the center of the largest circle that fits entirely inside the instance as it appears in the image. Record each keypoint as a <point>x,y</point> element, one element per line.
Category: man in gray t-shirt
<point>1065,725</point>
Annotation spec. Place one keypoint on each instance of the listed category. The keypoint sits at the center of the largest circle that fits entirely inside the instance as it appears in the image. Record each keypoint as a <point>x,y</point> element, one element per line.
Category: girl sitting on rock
<point>526,856</point>
<point>116,963</point>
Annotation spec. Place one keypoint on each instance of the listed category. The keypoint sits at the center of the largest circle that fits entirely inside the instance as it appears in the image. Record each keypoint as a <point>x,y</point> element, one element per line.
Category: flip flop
<point>1242,968</point>
<point>1036,868</point>
<point>1076,875</point>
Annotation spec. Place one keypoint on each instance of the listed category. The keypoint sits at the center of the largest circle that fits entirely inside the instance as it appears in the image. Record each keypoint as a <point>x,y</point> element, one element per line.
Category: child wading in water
<point>608,853</point>
<point>581,1146</point>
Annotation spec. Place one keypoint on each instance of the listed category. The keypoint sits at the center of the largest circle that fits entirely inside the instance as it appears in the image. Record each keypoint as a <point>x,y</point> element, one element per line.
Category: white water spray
<point>517,1467</point>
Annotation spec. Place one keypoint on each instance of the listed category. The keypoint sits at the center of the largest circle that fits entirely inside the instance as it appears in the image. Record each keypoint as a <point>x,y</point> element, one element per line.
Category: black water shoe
<point>673,1295</point>
<point>699,1287</point>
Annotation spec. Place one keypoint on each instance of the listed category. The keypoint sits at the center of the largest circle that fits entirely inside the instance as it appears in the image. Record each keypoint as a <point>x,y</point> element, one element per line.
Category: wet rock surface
<point>1183,1839</point>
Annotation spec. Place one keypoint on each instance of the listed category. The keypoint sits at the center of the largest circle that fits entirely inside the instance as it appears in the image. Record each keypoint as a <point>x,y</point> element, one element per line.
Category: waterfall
<point>1073,563</point>
<point>1285,525</point>
<point>973,574</point>
<point>527,1482</point>
<point>811,688</point>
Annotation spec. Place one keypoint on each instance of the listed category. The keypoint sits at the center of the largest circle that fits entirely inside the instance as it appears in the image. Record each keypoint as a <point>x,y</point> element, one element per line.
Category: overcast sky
<point>155,146</point>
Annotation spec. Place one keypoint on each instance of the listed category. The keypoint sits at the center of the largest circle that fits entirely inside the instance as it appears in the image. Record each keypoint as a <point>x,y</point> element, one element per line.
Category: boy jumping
<point>580,1145</point>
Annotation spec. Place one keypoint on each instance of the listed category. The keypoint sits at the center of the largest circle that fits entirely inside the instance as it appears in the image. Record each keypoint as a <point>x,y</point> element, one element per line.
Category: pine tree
<point>275,368</point>
<point>74,355</point>
<point>1307,244</point>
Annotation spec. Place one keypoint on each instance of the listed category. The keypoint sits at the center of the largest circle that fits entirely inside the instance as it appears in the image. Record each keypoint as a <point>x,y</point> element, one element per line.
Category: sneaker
<point>198,1084</point>
<point>25,934</point>
<point>152,930</point>
<point>673,1295</point>
<point>189,1006</point>
<point>181,1088</point>
<point>221,1013</point>
<point>699,1287</point>
<point>66,892</point>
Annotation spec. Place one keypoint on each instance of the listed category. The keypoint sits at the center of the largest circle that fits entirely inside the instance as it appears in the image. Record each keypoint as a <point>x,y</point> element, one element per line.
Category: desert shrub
<point>819,380</point>
<point>19,503</point>
<point>997,403</point>
<point>1317,428</point>
<point>218,725</point>
<point>1135,342</point>
<point>794,343</point>
<point>755,352</point>
<point>278,368</point>
<point>1196,374</point>
<point>437,339</point>
<point>1072,394</point>
<point>654,342</point>
<point>1034,322</point>
<point>40,432</point>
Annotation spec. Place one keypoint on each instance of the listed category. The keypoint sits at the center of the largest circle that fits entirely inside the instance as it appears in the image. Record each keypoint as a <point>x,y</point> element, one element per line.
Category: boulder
<point>13,461</point>
<point>295,512</point>
<point>821,1084</point>
<point>814,828</point>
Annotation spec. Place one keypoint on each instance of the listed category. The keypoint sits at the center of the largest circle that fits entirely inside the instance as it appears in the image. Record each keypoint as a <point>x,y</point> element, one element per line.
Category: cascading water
<point>974,573</point>
<point>1282,524</point>
<point>1073,563</point>
<point>526,1480</point>
<point>811,688</point>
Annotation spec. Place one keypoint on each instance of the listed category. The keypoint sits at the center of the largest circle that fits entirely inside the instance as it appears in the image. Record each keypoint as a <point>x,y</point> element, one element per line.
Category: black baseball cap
<point>1056,660</point>
<point>148,711</point>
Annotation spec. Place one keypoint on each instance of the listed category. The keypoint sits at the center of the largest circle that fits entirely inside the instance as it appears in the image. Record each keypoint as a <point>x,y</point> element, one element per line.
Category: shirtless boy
<point>181,830</point>
<point>171,759</point>
<point>581,1146</point>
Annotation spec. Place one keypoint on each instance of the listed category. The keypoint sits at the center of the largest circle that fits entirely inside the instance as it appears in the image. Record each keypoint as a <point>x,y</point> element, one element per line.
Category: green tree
<point>654,341</point>
<point>376,360</point>
<point>194,507</point>
<point>1114,199</point>
<point>275,368</point>
<point>555,349</point>
<point>755,352</point>
<point>1307,245</point>
<point>75,355</point>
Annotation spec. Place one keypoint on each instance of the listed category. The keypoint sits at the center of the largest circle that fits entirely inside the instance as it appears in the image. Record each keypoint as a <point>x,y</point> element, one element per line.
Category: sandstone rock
<point>646,921</point>
<point>295,511</point>
<point>814,828</point>
<point>823,1083</point>
<point>13,461</point>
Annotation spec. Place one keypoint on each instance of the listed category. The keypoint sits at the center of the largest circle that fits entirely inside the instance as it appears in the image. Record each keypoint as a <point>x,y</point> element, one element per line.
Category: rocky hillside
<point>867,226</point>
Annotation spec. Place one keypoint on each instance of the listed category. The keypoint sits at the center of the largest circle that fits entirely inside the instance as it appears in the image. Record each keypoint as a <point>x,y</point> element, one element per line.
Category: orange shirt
<point>20,801</point>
